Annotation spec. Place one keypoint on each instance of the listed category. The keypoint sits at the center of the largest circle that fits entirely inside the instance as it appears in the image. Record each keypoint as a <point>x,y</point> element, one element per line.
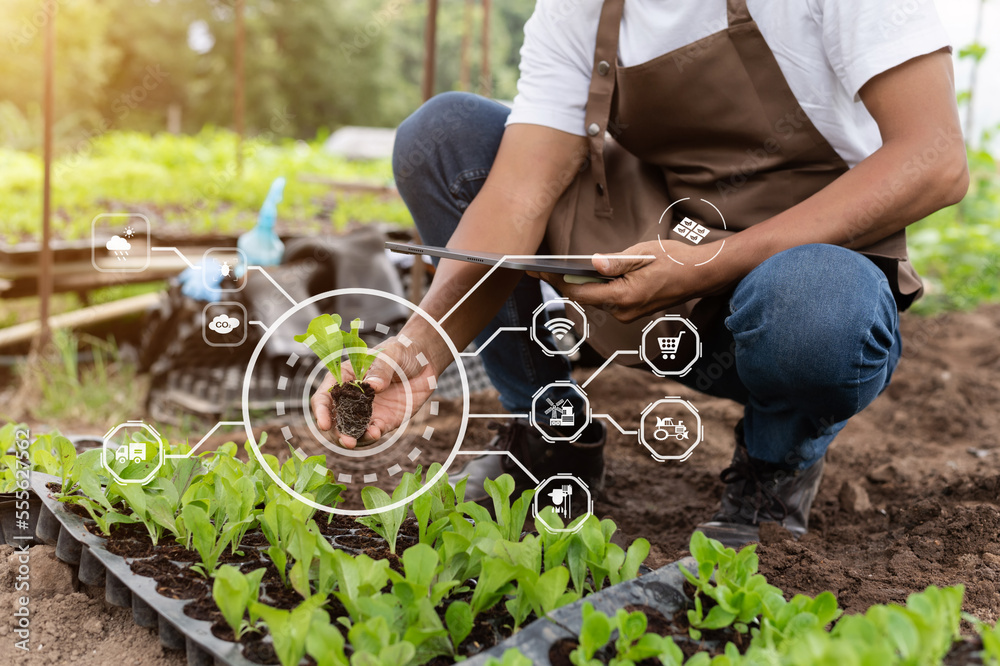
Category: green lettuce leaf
<point>361,358</point>
<point>326,340</point>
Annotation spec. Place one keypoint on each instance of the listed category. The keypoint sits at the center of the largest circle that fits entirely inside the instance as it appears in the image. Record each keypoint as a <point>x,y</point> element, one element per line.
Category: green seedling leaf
<point>594,634</point>
<point>386,522</point>
<point>361,359</point>
<point>289,629</point>
<point>326,340</point>
<point>547,591</point>
<point>458,618</point>
<point>324,643</point>
<point>233,592</point>
<point>493,578</point>
<point>420,564</point>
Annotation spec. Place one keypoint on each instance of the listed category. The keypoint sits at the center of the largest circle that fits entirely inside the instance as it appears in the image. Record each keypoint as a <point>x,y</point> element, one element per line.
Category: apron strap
<point>737,12</point>
<point>602,89</point>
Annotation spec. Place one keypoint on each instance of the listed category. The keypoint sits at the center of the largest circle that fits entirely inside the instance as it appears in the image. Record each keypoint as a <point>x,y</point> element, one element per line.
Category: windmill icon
<point>560,412</point>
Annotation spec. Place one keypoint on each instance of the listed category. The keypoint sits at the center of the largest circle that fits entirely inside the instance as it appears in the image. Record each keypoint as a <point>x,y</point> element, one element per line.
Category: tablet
<point>577,271</point>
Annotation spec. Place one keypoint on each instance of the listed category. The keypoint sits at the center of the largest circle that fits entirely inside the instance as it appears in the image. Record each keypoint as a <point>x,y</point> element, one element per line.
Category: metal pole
<point>430,48</point>
<point>45,273</point>
<point>486,76</point>
<point>239,103</point>
<point>430,52</point>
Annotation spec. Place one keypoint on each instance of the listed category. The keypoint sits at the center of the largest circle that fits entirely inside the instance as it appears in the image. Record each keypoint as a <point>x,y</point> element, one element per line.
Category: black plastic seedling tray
<point>96,566</point>
<point>9,530</point>
<point>77,546</point>
<point>661,590</point>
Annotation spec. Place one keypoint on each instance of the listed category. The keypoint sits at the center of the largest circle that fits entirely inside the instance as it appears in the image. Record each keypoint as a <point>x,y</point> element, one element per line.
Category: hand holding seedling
<point>381,381</point>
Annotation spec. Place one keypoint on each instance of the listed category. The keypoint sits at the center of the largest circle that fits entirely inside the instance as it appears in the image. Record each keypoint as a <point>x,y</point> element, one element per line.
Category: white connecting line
<point>501,453</point>
<point>276,285</point>
<point>607,417</point>
<point>607,363</point>
<point>258,268</point>
<point>202,440</point>
<point>492,337</point>
<point>179,254</point>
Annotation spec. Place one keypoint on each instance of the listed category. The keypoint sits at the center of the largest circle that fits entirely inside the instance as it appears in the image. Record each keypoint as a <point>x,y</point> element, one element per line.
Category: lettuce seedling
<point>458,618</point>
<point>386,522</point>
<point>208,540</point>
<point>594,634</point>
<point>510,517</point>
<point>352,400</point>
<point>324,643</point>
<point>233,592</point>
<point>290,629</point>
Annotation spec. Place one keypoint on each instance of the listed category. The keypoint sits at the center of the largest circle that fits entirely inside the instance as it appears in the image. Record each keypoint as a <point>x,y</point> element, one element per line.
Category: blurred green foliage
<point>120,64</point>
<point>957,249</point>
<point>189,184</point>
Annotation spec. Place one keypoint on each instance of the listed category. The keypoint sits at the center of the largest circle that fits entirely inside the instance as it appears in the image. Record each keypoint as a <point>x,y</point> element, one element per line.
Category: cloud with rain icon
<point>119,247</point>
<point>224,324</point>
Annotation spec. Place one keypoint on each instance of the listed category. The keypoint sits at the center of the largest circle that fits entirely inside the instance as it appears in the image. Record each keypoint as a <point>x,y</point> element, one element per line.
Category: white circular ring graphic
<point>252,440</point>
<point>365,451</point>
<point>660,240</point>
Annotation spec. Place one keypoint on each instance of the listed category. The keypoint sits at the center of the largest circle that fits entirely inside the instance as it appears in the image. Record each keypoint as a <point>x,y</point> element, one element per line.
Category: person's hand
<point>654,282</point>
<point>389,409</point>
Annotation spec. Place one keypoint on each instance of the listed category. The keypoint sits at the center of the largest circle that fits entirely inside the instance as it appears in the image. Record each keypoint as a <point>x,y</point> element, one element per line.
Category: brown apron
<point>709,130</point>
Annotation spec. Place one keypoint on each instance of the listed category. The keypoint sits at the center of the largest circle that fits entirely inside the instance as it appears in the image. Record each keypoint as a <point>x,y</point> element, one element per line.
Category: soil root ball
<point>353,407</point>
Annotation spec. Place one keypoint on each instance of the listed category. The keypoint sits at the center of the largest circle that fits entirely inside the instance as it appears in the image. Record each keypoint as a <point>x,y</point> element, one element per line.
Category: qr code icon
<point>691,230</point>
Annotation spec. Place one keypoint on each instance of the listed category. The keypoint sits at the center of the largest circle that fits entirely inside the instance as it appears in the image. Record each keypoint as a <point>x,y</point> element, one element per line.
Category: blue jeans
<point>812,336</point>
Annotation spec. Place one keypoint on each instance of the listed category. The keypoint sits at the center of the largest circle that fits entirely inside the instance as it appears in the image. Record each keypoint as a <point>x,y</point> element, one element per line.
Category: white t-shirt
<point>827,50</point>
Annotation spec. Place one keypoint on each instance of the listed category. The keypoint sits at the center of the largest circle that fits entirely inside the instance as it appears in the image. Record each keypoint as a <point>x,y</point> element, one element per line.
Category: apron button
<point>600,190</point>
<point>593,129</point>
<point>603,67</point>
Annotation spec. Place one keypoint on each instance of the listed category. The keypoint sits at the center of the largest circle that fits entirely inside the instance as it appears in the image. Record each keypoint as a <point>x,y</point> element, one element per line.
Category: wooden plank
<point>95,314</point>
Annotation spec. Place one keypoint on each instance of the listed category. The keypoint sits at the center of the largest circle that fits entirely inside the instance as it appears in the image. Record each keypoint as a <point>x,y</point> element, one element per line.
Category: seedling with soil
<point>352,400</point>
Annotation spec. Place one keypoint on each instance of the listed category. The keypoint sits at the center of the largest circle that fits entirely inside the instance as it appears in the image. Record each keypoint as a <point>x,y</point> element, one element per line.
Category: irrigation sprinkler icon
<point>558,492</point>
<point>561,500</point>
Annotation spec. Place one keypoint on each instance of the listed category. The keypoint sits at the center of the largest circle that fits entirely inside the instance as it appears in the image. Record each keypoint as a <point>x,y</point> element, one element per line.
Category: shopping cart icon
<point>668,346</point>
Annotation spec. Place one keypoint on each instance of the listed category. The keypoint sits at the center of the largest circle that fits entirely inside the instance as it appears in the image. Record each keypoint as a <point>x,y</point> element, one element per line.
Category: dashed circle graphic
<point>372,474</point>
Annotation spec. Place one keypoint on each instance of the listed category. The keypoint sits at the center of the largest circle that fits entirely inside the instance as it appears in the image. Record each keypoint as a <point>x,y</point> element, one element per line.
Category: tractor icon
<point>135,451</point>
<point>666,428</point>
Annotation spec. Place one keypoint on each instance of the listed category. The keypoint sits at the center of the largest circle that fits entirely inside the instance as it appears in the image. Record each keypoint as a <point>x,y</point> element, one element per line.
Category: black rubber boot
<point>758,491</point>
<point>583,460</point>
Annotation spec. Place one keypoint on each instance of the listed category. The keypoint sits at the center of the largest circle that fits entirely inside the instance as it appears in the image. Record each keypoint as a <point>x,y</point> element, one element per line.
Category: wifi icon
<point>559,327</point>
